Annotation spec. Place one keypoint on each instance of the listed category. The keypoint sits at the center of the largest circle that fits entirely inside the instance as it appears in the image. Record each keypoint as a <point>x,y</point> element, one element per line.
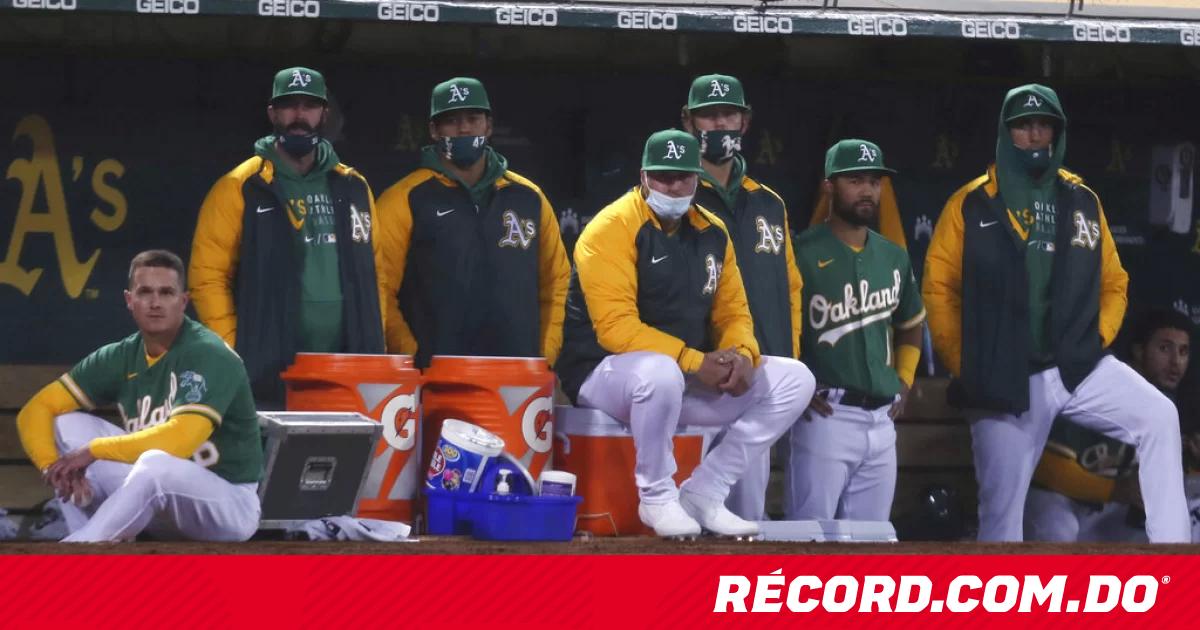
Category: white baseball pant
<point>1113,400</point>
<point>648,391</point>
<point>1054,517</point>
<point>842,466</point>
<point>160,493</point>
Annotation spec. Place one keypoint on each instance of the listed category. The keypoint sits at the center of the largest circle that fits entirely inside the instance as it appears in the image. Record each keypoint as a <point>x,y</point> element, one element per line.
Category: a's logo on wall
<point>517,232</point>
<point>923,228</point>
<point>42,208</point>
<point>300,79</point>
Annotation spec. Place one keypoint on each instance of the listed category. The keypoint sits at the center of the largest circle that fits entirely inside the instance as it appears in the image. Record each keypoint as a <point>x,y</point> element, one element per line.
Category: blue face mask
<point>462,151</point>
<point>299,146</point>
<point>1035,159</point>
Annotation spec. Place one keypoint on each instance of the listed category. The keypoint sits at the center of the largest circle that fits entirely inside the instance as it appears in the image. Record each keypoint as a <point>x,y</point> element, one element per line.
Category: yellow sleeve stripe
<point>202,410</point>
<point>912,323</point>
<point>76,392</point>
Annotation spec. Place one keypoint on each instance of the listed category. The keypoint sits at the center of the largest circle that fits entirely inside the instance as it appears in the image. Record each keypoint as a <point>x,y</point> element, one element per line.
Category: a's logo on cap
<point>1033,101</point>
<point>866,154</point>
<point>300,79</point>
<point>674,151</point>
<point>458,95</point>
<point>718,88</point>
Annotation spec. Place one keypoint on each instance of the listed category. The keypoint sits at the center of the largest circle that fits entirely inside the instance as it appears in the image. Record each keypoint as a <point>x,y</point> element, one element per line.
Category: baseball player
<point>1085,483</point>
<point>184,460</point>
<point>1025,291</point>
<point>862,338</point>
<point>283,260</point>
<point>756,219</point>
<point>473,261</point>
<point>659,334</point>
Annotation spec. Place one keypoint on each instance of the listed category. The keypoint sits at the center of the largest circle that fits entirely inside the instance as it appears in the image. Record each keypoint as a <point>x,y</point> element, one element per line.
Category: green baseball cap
<point>672,150</point>
<point>299,80</point>
<point>1030,103</point>
<point>852,155</point>
<point>458,93</point>
<point>716,89</point>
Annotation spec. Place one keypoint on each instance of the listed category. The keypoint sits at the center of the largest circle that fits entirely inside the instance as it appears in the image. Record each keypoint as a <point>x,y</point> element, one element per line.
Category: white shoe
<point>714,516</point>
<point>668,519</point>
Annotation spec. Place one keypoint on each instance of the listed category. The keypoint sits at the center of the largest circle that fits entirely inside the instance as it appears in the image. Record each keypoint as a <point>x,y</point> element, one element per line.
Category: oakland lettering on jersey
<point>148,416</point>
<point>856,310</point>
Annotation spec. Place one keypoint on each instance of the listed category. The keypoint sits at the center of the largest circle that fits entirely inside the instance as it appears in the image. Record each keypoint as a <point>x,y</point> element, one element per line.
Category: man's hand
<point>898,406</point>
<point>1128,490</point>
<point>66,476</point>
<point>714,369</point>
<point>740,374</point>
<point>820,405</point>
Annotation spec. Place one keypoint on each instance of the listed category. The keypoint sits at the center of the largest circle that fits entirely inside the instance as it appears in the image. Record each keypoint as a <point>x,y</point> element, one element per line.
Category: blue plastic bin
<point>515,517</point>
<point>450,513</point>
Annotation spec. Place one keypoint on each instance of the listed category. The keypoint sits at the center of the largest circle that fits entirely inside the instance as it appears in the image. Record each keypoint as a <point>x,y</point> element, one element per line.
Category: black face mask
<point>462,151</point>
<point>1034,160</point>
<point>719,146</point>
<point>298,145</point>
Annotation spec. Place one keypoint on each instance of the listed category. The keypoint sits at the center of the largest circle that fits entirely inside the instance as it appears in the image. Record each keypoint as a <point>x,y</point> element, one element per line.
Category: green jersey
<point>200,374</point>
<point>851,301</point>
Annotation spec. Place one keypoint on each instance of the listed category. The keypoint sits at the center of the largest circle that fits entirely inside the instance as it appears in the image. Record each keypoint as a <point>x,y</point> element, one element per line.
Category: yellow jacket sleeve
<point>213,264</point>
<point>554,271</point>
<point>1062,474</point>
<point>942,285</point>
<point>795,290</point>
<point>35,422</point>
<point>731,321</point>
<point>606,262</point>
<point>1113,284</point>
<point>180,436</point>
<point>394,235</point>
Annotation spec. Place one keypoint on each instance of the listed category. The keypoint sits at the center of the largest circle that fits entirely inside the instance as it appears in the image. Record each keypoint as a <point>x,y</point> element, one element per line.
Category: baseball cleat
<point>713,516</point>
<point>668,520</point>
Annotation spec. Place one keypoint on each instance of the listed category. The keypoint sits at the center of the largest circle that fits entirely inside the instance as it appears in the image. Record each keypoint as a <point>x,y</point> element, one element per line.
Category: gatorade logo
<point>399,420</point>
<point>537,424</point>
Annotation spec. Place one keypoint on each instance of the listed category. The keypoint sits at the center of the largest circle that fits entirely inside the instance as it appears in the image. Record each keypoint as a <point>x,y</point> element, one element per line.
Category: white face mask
<point>666,206</point>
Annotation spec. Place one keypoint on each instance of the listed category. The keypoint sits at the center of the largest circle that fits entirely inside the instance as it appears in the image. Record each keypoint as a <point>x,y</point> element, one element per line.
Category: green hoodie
<point>729,193</point>
<point>310,211</point>
<point>1030,202</point>
<point>481,192</point>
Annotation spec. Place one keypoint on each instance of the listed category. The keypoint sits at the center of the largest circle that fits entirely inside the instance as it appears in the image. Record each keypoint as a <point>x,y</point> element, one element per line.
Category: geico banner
<point>1014,7</point>
<point>686,591</point>
<point>1162,9</point>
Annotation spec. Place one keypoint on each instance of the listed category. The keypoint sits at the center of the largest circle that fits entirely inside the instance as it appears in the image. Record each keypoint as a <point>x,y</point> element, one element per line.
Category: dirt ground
<point>599,546</point>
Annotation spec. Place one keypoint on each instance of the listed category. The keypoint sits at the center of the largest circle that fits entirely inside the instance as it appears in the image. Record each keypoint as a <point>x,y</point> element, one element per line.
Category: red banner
<point>588,591</point>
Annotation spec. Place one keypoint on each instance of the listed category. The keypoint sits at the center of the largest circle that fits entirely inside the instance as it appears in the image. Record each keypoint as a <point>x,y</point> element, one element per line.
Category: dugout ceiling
<point>119,122</point>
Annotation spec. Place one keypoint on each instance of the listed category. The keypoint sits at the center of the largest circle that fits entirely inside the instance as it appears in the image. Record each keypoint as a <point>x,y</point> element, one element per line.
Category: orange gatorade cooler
<point>385,388</point>
<point>598,450</point>
<point>509,396</point>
